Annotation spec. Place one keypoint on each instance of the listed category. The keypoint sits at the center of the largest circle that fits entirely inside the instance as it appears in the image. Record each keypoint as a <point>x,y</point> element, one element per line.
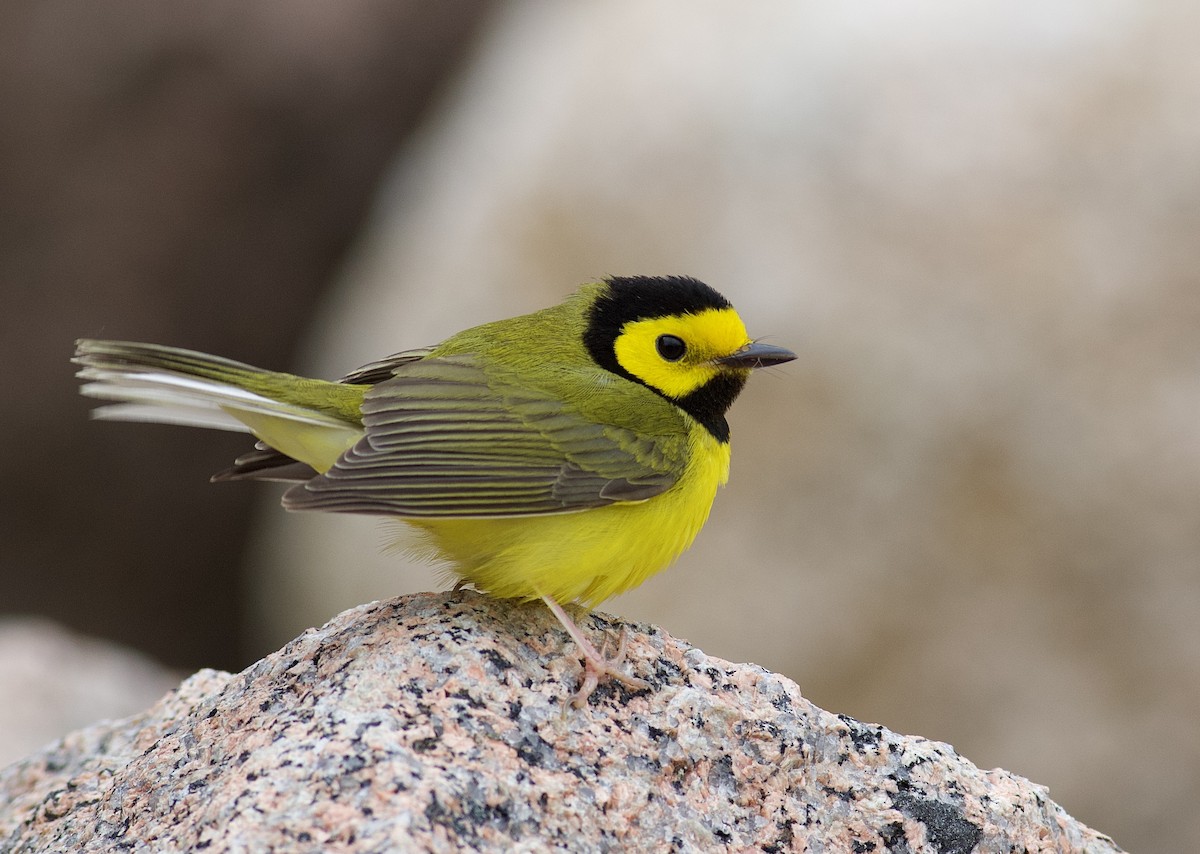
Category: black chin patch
<point>709,403</point>
<point>629,298</point>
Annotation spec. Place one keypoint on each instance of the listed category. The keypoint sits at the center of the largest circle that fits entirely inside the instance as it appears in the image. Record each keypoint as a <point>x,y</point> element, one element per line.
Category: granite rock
<point>54,681</point>
<point>440,721</point>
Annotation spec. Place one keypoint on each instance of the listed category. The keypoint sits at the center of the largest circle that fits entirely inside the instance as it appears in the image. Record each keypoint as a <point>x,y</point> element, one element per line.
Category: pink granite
<point>440,721</point>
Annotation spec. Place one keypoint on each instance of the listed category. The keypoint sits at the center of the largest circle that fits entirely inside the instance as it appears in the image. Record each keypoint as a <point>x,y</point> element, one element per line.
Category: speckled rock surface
<point>438,721</point>
<point>54,680</point>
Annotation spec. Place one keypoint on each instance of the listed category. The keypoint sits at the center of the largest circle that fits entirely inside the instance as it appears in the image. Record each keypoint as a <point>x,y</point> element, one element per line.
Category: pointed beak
<point>756,355</point>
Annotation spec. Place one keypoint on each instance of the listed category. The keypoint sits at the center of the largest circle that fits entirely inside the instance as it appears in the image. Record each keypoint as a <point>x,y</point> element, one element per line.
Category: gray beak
<point>756,355</point>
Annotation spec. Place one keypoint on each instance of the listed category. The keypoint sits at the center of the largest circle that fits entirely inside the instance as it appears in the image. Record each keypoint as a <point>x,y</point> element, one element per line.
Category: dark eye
<point>670,347</point>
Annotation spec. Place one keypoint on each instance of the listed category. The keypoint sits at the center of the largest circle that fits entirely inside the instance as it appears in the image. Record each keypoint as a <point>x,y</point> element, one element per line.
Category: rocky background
<point>443,722</point>
<point>969,510</point>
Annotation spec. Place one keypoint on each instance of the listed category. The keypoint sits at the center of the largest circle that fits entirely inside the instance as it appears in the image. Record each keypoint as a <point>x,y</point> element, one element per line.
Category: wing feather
<point>377,372</point>
<point>447,438</point>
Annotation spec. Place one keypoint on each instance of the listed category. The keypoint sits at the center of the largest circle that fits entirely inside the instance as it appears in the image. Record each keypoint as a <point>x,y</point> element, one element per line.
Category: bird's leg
<point>595,664</point>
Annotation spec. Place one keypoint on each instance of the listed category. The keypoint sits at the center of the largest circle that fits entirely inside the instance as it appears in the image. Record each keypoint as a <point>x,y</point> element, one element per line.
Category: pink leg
<point>595,664</point>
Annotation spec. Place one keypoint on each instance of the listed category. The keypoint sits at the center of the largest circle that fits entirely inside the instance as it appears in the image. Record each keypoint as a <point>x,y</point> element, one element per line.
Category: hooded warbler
<point>565,455</point>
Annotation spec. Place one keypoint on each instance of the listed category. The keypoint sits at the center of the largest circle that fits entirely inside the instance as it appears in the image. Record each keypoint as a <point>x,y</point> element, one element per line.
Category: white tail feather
<point>168,398</point>
<point>186,416</point>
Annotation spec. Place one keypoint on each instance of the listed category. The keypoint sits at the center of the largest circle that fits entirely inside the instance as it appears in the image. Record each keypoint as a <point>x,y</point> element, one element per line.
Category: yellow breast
<point>588,556</point>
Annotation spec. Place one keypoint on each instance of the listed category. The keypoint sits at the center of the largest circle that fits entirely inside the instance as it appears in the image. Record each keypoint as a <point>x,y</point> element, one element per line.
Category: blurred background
<point>970,510</point>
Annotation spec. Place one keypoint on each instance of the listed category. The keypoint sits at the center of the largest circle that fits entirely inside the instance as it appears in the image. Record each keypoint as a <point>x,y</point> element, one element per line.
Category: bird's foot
<point>596,666</point>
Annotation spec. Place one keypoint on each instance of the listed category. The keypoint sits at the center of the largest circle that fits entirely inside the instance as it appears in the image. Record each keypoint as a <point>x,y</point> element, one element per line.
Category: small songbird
<point>564,455</point>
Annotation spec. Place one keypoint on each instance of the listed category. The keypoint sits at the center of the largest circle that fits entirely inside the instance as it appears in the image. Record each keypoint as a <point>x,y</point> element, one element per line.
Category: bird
<point>564,455</point>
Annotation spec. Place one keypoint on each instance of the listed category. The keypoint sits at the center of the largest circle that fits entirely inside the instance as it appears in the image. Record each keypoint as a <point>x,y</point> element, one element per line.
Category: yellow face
<point>675,354</point>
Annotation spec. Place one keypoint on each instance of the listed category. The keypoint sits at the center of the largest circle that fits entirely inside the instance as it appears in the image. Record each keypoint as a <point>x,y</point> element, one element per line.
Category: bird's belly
<point>587,556</point>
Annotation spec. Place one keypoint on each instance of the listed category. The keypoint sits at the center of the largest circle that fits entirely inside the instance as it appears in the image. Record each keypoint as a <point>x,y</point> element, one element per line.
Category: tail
<point>311,421</point>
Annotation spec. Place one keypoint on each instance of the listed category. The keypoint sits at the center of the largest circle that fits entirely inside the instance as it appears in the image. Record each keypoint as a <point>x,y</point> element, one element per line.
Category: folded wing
<point>446,438</point>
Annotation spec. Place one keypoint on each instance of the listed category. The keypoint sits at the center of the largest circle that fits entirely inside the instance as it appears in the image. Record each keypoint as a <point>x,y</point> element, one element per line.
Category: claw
<point>595,665</point>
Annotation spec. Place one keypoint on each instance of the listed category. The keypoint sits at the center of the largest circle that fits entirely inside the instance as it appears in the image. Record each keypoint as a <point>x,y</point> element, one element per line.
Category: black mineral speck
<point>452,821</point>
<point>893,837</point>
<point>535,750</point>
<point>498,661</point>
<point>841,794</point>
<point>783,842</point>
<point>948,828</point>
<point>862,735</point>
<point>666,671</point>
<point>483,814</point>
<point>465,695</point>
